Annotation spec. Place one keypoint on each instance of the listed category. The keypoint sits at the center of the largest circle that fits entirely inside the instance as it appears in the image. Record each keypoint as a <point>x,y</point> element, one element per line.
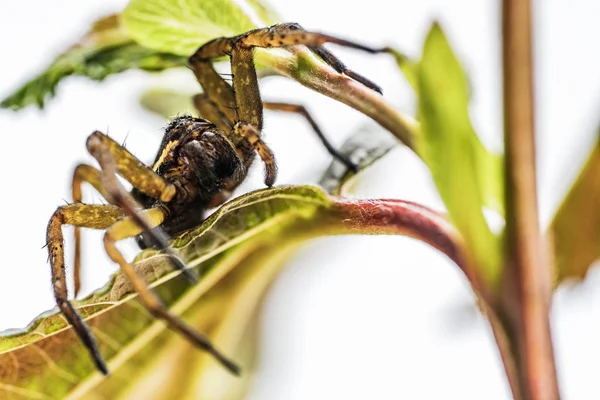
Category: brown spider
<point>197,166</point>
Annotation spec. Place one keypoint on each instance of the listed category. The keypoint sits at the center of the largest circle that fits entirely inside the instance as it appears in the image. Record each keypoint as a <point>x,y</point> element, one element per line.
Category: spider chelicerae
<point>198,165</point>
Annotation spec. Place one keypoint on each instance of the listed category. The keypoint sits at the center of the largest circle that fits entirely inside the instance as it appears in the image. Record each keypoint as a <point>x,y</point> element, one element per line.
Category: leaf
<point>575,229</point>
<point>105,50</point>
<point>181,27</point>
<point>47,360</point>
<point>167,102</point>
<point>463,171</point>
<point>365,147</point>
<point>490,164</point>
<point>408,66</point>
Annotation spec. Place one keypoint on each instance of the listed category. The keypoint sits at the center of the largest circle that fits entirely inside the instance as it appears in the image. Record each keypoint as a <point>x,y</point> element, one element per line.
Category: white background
<point>360,317</point>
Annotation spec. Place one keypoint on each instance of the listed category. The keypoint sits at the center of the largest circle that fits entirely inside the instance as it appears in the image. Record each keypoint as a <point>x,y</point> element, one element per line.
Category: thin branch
<point>526,294</point>
<point>305,68</point>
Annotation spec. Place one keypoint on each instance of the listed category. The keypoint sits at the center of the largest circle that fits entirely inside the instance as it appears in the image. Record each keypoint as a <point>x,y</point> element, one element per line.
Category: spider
<point>198,165</point>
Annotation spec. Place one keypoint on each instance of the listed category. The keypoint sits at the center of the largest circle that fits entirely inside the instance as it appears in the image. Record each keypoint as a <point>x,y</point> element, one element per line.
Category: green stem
<point>304,67</point>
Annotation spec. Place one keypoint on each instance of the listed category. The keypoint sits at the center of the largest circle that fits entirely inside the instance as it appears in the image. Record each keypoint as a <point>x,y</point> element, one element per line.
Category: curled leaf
<point>47,359</point>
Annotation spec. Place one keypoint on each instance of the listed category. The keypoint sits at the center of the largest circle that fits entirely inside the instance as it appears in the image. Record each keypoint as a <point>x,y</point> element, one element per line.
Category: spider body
<point>199,161</point>
<point>197,166</point>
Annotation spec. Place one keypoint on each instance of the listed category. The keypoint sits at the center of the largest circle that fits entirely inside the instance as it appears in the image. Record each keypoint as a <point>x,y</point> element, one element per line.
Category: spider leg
<point>114,158</point>
<point>300,109</point>
<point>128,227</point>
<point>214,105</point>
<point>247,131</point>
<point>245,81</point>
<point>218,103</point>
<point>340,67</point>
<point>247,102</point>
<point>210,111</point>
<point>111,155</point>
<point>81,215</point>
<point>216,89</point>
<point>290,34</point>
<point>91,175</point>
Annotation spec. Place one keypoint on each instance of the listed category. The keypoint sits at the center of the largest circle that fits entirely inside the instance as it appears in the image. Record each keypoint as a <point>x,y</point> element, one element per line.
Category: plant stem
<point>303,66</point>
<point>526,291</point>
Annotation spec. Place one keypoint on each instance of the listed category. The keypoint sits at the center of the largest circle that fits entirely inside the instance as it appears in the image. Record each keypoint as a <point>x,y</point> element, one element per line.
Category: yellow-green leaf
<point>462,169</point>
<point>409,68</point>
<point>575,229</point>
<point>490,165</point>
<point>181,27</point>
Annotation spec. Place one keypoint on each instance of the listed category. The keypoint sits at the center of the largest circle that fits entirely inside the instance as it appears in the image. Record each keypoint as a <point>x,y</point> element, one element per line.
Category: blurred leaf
<point>168,102</point>
<point>106,49</point>
<point>47,360</point>
<point>364,148</point>
<point>575,229</point>
<point>181,27</point>
<point>490,165</point>
<point>409,67</point>
<point>464,172</point>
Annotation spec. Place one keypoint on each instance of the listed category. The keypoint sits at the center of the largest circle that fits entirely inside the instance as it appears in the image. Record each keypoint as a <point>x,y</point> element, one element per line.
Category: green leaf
<point>490,164</point>
<point>105,50</point>
<point>47,360</point>
<point>409,67</point>
<point>168,102</point>
<point>575,229</point>
<point>181,27</point>
<point>463,171</point>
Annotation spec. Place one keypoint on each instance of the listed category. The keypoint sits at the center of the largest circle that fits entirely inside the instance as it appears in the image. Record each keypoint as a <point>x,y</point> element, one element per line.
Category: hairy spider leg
<point>126,228</point>
<point>208,110</point>
<point>83,173</point>
<point>224,97</point>
<point>114,158</point>
<point>243,129</point>
<point>340,67</point>
<point>80,215</point>
<point>247,105</point>
<point>215,88</point>
<point>290,34</point>
<point>138,221</point>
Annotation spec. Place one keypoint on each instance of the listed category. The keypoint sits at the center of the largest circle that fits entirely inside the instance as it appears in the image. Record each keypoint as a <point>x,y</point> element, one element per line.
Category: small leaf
<point>105,50</point>
<point>575,229</point>
<point>364,148</point>
<point>462,169</point>
<point>181,27</point>
<point>167,102</point>
<point>408,66</point>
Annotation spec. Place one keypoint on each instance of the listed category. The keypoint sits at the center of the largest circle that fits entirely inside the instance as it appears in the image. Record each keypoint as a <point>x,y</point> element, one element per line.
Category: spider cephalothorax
<point>197,166</point>
<point>199,161</point>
